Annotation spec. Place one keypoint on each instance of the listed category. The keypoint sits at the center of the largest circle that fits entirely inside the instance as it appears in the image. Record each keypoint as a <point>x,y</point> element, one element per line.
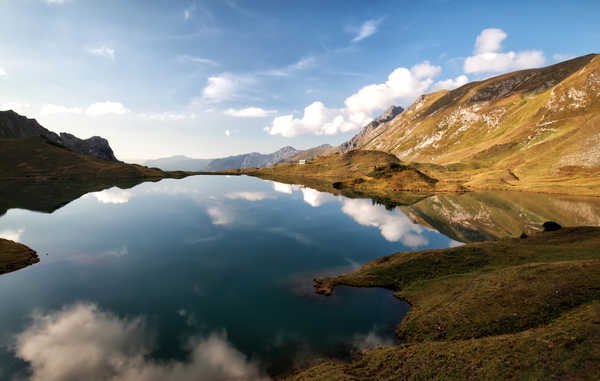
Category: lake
<point>212,275</point>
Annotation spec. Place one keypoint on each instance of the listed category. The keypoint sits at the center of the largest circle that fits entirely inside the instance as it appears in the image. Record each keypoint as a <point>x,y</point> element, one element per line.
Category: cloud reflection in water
<point>82,342</point>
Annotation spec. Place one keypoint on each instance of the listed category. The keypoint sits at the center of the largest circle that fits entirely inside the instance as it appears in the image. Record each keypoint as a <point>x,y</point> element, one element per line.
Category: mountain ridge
<point>16,126</point>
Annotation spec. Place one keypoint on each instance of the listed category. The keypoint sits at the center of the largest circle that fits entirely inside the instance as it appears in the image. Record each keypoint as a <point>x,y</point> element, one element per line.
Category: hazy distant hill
<point>15,126</point>
<point>247,160</point>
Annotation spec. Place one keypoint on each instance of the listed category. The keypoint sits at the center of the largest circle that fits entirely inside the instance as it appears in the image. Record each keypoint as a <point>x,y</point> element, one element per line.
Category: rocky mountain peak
<point>387,116</point>
<point>15,126</point>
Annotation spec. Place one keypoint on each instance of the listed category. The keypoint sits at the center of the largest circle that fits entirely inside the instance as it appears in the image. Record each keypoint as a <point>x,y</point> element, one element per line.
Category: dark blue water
<point>207,275</point>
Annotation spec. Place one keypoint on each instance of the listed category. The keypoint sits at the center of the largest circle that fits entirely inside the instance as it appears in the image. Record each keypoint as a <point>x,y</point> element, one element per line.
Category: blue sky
<point>214,78</point>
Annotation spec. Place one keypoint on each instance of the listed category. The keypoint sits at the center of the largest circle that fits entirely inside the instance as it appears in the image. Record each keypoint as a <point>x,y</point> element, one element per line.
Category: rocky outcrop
<point>359,138</point>
<point>94,146</point>
<point>15,126</point>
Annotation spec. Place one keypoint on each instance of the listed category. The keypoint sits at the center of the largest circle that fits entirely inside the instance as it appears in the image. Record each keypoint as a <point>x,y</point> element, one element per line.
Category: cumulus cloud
<point>224,86</point>
<point>102,51</point>
<point>451,83</point>
<point>393,226</point>
<point>489,58</point>
<point>249,112</point>
<point>105,108</point>
<point>227,133</point>
<point>82,342</point>
<point>12,234</point>
<point>402,85</point>
<point>367,29</point>
<point>248,196</point>
<point>112,196</point>
<point>51,109</point>
<point>219,215</point>
<point>3,72</point>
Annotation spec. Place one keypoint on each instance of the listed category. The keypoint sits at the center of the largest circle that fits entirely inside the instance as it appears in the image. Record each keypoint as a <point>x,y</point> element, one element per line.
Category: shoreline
<point>493,295</point>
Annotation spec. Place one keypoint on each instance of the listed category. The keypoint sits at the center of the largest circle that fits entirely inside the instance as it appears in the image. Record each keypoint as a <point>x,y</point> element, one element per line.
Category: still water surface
<point>206,275</point>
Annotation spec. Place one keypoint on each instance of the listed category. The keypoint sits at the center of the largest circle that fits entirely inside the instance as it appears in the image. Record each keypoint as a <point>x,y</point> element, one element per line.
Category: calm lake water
<point>208,274</point>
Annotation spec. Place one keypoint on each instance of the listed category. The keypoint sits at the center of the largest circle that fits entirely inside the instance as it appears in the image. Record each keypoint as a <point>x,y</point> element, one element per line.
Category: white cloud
<point>224,86</point>
<point>249,112</point>
<point>219,215</point>
<point>11,234</point>
<point>55,2</point>
<point>367,29</point>
<point>3,72</point>
<point>393,226</point>
<point>51,109</point>
<point>112,196</point>
<point>402,85</point>
<point>202,60</point>
<point>104,108</point>
<point>102,51</point>
<point>82,342</point>
<point>248,196</point>
<point>227,133</point>
<point>18,107</point>
<point>451,83</point>
<point>489,58</point>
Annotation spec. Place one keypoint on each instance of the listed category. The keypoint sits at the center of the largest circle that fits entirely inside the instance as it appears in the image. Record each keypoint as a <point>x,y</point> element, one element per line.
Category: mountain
<point>179,162</point>
<point>247,160</point>
<point>536,129</point>
<point>370,129</point>
<point>15,126</point>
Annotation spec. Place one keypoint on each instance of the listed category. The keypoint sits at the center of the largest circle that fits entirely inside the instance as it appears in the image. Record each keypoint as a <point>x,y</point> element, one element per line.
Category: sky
<point>220,77</point>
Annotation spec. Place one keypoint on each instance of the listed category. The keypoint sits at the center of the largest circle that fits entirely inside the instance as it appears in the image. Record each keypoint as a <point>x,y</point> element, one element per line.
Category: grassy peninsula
<point>515,308</point>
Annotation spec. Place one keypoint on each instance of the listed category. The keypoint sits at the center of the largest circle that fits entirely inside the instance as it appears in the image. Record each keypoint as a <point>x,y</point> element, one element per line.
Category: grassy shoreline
<point>506,309</point>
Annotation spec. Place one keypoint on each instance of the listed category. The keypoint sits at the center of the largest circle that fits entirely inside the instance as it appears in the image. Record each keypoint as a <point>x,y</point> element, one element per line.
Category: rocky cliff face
<point>15,126</point>
<point>369,129</point>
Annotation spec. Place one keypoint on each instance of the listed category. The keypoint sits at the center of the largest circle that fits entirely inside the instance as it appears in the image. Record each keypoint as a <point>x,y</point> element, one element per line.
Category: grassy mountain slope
<point>39,159</point>
<point>535,129</point>
<point>507,309</point>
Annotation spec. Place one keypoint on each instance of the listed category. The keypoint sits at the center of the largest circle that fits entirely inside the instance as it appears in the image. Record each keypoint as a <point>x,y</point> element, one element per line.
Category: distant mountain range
<point>15,126</point>
<point>247,160</point>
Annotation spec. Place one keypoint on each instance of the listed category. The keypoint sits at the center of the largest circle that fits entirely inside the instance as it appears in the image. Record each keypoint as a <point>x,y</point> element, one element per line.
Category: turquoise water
<point>206,275</point>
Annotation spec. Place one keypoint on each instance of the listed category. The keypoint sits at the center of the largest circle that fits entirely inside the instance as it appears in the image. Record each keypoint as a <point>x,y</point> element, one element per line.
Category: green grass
<point>507,309</point>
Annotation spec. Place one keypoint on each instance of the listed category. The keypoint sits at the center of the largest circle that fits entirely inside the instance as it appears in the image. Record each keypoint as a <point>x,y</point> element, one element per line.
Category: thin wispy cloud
<point>303,63</point>
<point>102,51</point>
<point>367,29</point>
<point>202,60</point>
